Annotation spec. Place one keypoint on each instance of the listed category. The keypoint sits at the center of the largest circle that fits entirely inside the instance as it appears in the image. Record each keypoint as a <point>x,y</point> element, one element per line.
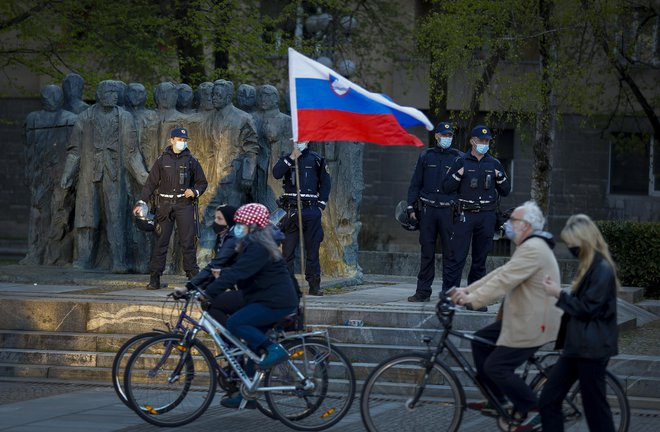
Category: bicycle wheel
<point>171,382</point>
<point>330,386</point>
<point>388,396</point>
<point>573,410</point>
<point>121,359</point>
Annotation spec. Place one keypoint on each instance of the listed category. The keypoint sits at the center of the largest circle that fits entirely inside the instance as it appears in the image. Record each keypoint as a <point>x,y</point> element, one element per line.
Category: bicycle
<point>126,350</point>
<point>171,379</point>
<point>420,391</point>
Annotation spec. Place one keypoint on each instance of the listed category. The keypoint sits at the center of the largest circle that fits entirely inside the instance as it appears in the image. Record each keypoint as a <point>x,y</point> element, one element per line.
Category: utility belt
<point>171,197</point>
<point>436,204</point>
<point>476,207</point>
<point>289,203</point>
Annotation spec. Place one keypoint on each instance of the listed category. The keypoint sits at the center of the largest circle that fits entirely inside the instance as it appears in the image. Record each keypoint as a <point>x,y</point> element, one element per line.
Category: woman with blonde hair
<point>588,333</point>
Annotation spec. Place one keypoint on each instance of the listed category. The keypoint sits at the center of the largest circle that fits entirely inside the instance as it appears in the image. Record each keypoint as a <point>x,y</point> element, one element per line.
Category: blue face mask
<point>482,148</point>
<point>240,230</point>
<point>180,145</point>
<point>302,145</point>
<point>509,232</point>
<point>445,142</point>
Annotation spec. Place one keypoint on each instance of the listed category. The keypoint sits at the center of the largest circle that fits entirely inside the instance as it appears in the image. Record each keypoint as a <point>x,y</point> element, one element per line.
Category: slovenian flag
<point>327,107</point>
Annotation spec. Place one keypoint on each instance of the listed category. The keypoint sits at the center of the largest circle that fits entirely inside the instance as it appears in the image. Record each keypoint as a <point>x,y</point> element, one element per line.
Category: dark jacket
<point>173,173</point>
<point>262,279</point>
<point>479,186</point>
<point>315,182</point>
<point>589,328</point>
<point>225,256</point>
<point>432,167</point>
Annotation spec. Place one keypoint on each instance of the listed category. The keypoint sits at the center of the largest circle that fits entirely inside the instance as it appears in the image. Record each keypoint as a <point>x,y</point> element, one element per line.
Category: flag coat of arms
<point>327,107</point>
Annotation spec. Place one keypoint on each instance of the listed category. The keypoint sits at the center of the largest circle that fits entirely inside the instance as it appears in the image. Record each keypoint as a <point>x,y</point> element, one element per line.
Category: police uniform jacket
<point>173,173</point>
<point>315,181</point>
<point>588,328</point>
<point>478,187</point>
<point>262,279</point>
<point>530,318</point>
<point>432,167</point>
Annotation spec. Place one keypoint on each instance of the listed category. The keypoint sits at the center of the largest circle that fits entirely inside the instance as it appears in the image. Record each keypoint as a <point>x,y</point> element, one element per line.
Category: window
<point>634,164</point>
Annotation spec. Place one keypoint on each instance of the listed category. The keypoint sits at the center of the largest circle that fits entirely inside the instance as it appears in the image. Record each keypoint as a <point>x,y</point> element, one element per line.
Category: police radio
<point>182,175</point>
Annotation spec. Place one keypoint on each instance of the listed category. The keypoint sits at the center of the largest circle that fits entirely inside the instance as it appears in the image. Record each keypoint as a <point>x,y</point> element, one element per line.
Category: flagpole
<point>300,227</point>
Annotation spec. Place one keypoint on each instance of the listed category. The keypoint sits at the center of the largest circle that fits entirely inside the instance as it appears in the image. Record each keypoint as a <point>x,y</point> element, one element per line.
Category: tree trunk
<point>545,118</point>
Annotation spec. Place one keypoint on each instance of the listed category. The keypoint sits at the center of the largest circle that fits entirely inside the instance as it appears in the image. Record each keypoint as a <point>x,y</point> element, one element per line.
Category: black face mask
<point>218,229</point>
<point>575,251</point>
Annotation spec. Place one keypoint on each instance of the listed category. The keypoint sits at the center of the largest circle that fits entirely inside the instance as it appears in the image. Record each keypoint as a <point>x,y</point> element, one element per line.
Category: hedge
<point>635,247</point>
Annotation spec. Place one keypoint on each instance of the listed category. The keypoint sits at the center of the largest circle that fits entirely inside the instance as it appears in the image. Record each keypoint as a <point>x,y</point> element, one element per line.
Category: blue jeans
<point>246,321</point>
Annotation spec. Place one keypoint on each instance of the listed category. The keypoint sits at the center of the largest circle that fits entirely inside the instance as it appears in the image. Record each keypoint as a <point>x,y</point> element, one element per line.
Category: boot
<point>154,281</point>
<point>275,355</point>
<point>192,273</point>
<point>315,286</point>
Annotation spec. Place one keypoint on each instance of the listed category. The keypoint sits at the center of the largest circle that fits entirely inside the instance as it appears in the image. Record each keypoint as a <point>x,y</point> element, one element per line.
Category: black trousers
<point>225,304</point>
<point>434,222</point>
<point>312,237</point>
<point>591,373</point>
<point>181,212</point>
<point>496,369</point>
<point>477,229</point>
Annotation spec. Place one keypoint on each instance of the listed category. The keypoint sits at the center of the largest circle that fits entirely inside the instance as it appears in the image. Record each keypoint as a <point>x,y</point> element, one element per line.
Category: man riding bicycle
<point>529,319</point>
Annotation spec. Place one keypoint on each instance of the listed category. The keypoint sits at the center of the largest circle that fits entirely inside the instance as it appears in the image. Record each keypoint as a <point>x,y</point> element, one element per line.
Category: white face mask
<point>445,142</point>
<point>180,145</point>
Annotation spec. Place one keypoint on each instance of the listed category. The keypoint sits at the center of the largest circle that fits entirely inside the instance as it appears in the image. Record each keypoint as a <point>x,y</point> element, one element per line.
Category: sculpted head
<point>52,97</point>
<point>205,96</point>
<point>107,93</point>
<point>223,92</point>
<point>136,95</point>
<point>246,97</point>
<point>72,86</point>
<point>166,95</point>
<point>268,97</point>
<point>184,96</point>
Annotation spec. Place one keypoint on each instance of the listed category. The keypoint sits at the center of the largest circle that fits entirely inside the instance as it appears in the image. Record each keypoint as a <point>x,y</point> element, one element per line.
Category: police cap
<point>482,132</point>
<point>444,128</point>
<point>179,133</point>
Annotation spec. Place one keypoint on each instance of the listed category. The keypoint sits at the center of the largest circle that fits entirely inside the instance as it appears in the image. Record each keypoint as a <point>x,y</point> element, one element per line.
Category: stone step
<point>651,305</point>
<point>631,294</point>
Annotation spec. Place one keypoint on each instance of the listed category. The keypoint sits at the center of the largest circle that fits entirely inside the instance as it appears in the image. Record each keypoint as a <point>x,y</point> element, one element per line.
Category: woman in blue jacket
<point>588,333</point>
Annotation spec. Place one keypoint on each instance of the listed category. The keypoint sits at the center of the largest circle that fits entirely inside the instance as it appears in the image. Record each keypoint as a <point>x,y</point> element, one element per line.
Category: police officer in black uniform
<point>435,209</point>
<point>314,193</point>
<point>479,179</point>
<point>179,180</point>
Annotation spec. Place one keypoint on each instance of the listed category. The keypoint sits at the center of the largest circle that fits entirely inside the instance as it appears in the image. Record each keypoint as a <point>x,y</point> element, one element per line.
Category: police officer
<point>179,179</point>
<point>314,194</point>
<point>435,209</point>
<point>479,179</point>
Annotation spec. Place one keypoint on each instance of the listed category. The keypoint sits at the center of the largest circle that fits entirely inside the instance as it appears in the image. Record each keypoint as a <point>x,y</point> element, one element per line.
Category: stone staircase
<point>73,337</point>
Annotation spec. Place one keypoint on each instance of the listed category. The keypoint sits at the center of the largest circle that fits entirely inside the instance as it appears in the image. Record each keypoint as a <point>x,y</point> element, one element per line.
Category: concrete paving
<point>41,405</point>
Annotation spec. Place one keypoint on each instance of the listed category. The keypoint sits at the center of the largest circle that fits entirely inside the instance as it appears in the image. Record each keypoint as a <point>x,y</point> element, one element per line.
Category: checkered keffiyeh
<point>252,214</point>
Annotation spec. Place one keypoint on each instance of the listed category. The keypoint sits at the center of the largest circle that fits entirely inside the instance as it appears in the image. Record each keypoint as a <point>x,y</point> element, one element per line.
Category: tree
<point>529,61</point>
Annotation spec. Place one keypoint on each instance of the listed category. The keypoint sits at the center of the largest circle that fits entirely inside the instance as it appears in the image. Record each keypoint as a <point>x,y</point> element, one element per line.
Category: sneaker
<point>418,298</point>
<point>275,354</point>
<point>235,402</point>
<point>531,423</point>
<point>486,408</point>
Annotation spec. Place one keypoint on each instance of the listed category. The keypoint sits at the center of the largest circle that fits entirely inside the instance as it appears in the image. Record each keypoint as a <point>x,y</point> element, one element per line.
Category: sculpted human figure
<point>167,118</point>
<point>73,85</point>
<point>232,158</point>
<point>200,122</point>
<point>274,131</point>
<point>103,144</point>
<point>47,135</point>
<point>146,124</point>
<point>121,92</point>
<point>246,98</point>
<point>185,98</point>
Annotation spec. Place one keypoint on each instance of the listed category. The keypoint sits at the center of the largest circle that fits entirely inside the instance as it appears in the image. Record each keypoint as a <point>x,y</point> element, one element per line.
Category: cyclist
<point>265,282</point>
<point>589,331</point>
<point>529,319</point>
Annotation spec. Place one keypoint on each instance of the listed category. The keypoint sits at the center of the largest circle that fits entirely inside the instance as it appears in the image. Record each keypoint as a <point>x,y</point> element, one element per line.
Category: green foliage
<point>191,40</point>
<point>635,247</point>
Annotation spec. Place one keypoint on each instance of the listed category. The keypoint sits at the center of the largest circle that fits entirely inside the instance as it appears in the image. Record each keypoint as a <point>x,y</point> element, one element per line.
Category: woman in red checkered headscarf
<point>262,275</point>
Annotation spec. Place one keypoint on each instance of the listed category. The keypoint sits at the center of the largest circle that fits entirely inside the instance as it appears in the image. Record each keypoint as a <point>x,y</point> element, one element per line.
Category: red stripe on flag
<point>334,125</point>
